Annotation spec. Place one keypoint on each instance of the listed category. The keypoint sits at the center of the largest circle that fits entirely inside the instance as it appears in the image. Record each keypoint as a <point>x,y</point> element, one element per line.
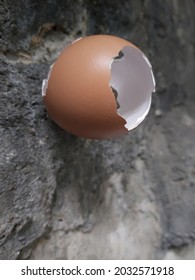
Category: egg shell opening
<point>132,82</point>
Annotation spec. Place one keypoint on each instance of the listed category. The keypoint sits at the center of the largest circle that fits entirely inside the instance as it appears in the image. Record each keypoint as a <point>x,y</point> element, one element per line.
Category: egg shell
<point>78,95</point>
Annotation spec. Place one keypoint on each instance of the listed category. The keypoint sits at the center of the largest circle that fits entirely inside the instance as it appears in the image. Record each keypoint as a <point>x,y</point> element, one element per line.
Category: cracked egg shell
<point>78,95</point>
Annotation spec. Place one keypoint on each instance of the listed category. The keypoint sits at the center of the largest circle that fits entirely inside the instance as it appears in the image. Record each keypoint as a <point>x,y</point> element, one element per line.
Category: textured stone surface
<point>71,198</point>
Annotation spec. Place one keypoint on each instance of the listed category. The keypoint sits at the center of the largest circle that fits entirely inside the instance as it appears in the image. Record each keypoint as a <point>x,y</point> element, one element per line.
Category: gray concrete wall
<point>63,197</point>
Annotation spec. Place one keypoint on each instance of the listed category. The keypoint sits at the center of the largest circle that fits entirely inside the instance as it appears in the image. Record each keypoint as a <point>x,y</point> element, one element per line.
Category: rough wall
<point>71,198</point>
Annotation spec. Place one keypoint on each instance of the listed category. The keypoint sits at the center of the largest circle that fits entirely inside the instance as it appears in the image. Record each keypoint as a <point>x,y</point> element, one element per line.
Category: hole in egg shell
<point>132,83</point>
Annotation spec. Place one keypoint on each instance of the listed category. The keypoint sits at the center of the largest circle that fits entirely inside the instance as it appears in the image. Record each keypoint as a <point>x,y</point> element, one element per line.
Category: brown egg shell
<point>78,96</point>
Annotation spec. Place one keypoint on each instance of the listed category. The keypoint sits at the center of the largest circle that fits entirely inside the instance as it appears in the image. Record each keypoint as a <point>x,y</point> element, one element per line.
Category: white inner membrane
<point>133,82</point>
<point>45,81</point>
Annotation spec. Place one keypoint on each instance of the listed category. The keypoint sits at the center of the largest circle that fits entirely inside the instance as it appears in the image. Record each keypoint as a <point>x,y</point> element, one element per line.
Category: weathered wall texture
<point>71,198</point>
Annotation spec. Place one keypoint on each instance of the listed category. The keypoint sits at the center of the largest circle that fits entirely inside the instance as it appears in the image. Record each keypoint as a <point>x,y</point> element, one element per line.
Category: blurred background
<point>63,197</point>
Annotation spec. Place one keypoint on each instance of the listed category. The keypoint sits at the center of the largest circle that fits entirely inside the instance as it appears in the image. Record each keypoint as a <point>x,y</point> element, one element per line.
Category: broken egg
<point>99,87</point>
